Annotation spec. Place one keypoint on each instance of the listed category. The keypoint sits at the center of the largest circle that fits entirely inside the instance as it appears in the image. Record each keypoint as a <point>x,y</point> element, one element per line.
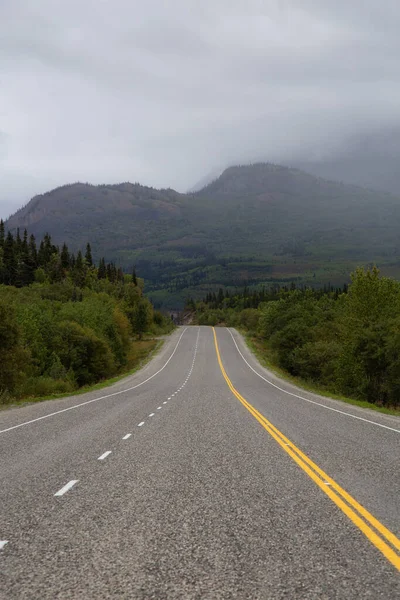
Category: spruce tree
<point>79,261</point>
<point>18,243</point>
<point>88,255</point>
<point>33,251</point>
<point>25,273</point>
<point>101,271</point>
<point>79,270</point>
<point>65,258</point>
<point>2,233</point>
<point>9,260</point>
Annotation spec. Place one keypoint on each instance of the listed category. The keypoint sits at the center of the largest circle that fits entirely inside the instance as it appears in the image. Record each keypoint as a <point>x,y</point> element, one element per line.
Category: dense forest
<point>65,322</point>
<point>345,340</point>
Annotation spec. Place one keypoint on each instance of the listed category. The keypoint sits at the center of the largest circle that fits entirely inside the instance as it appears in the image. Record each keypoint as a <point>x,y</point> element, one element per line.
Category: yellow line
<point>320,477</point>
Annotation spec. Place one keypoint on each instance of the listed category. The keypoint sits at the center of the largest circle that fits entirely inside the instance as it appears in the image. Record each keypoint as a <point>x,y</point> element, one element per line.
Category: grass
<point>141,353</point>
<point>262,352</point>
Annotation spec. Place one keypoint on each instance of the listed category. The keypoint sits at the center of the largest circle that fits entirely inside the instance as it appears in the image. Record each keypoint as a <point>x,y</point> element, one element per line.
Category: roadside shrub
<point>87,356</point>
<point>249,319</point>
<point>13,357</point>
<point>44,386</point>
<point>317,361</point>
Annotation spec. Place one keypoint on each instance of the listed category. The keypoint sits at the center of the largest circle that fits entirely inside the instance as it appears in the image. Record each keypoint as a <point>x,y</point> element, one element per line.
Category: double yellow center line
<point>374,530</point>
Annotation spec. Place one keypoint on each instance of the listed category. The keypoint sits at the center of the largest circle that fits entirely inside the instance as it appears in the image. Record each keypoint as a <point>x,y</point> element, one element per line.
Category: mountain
<point>259,223</point>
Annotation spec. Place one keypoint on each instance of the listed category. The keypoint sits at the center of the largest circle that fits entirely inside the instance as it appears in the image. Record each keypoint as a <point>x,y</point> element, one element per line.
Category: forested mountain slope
<point>255,223</point>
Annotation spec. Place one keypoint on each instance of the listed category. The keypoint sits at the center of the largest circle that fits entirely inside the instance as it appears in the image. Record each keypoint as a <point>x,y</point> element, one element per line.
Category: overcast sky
<point>165,92</point>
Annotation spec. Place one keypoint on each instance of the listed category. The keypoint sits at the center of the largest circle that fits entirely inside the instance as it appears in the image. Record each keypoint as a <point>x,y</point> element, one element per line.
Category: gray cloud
<point>164,92</point>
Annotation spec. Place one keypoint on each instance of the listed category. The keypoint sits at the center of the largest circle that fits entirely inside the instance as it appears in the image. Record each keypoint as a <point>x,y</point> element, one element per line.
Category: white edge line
<point>103,456</point>
<point>3,543</point>
<point>128,435</point>
<point>66,487</point>
<point>95,399</point>
<point>342,412</point>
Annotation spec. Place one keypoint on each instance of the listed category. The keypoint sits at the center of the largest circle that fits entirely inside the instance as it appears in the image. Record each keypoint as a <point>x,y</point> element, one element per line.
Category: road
<point>201,476</point>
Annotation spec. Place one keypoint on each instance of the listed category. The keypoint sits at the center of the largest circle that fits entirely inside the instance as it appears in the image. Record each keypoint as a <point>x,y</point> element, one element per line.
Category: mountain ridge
<point>259,223</point>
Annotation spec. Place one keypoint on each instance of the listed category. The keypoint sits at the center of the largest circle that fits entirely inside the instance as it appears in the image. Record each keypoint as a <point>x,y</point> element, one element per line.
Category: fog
<point>166,92</point>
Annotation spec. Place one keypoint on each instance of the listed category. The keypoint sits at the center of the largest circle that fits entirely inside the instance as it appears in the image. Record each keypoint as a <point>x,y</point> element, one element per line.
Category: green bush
<point>44,386</point>
<point>13,357</point>
<point>83,353</point>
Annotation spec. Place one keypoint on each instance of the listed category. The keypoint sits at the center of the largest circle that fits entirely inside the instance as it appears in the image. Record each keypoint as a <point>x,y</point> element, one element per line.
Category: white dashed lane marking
<point>103,456</point>
<point>3,543</point>
<point>66,487</point>
<point>96,399</point>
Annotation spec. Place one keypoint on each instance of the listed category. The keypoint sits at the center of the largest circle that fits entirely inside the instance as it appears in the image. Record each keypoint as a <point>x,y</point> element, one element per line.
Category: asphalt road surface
<point>201,476</point>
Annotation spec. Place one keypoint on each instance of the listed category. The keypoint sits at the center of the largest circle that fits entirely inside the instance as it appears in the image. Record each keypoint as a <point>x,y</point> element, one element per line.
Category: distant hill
<point>258,223</point>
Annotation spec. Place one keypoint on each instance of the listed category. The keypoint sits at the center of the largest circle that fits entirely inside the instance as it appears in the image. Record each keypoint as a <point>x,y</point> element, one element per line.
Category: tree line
<point>23,261</point>
<point>66,322</point>
<point>346,340</point>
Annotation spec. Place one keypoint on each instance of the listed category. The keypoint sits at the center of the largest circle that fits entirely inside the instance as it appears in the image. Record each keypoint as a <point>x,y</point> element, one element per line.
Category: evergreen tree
<point>65,258</point>
<point>101,271</point>
<point>25,272</point>
<point>18,244</point>
<point>33,251</point>
<point>2,233</point>
<point>88,255</point>
<point>9,260</point>
<point>79,273</point>
<point>54,268</point>
<point>46,250</point>
<point>79,261</point>
<point>134,278</point>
